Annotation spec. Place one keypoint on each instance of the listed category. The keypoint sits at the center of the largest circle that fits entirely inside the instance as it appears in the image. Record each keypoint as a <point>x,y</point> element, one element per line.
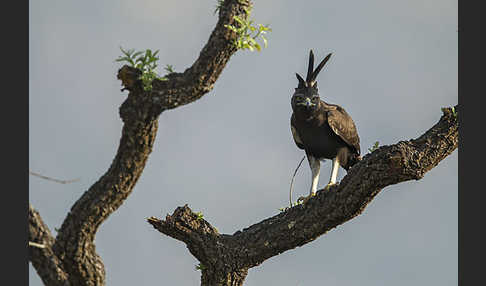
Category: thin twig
<point>292,181</point>
<point>54,180</point>
<point>38,245</point>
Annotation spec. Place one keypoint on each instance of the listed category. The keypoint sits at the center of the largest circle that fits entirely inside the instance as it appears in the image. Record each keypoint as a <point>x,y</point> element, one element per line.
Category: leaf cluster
<point>146,61</point>
<point>248,32</point>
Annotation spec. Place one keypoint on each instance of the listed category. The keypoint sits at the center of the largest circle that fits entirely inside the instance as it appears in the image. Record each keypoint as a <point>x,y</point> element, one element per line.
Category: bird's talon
<point>328,186</point>
<point>303,200</point>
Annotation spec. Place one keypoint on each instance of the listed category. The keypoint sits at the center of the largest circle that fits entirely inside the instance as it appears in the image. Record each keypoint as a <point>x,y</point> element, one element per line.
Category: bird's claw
<point>303,200</point>
<point>328,186</point>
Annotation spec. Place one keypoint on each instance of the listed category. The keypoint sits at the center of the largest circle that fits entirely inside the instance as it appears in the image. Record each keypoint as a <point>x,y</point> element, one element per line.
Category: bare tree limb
<point>52,179</point>
<point>46,263</point>
<point>228,256</point>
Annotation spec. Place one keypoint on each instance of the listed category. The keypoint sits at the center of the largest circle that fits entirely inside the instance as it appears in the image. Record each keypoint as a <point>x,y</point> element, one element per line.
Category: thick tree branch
<point>197,80</point>
<point>388,165</point>
<point>46,263</point>
<point>75,239</point>
<point>74,245</point>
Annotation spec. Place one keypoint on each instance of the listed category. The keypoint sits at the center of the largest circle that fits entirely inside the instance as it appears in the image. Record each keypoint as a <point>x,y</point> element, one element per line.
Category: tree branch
<point>52,179</point>
<point>45,262</point>
<point>197,80</point>
<point>388,165</point>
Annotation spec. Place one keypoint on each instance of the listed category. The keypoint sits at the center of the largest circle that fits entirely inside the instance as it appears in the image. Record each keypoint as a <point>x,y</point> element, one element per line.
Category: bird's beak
<point>306,103</point>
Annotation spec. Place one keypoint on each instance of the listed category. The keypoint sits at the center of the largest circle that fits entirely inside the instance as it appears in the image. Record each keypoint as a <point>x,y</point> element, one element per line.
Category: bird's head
<point>306,95</point>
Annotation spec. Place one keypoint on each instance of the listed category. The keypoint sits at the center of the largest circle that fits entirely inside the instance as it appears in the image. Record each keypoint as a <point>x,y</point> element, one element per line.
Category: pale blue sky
<point>231,154</point>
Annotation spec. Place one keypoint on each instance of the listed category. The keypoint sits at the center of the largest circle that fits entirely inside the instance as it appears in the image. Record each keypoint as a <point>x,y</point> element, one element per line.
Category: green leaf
<point>169,68</point>
<point>264,41</point>
<point>240,21</point>
<point>136,54</point>
<point>122,59</point>
<point>257,46</point>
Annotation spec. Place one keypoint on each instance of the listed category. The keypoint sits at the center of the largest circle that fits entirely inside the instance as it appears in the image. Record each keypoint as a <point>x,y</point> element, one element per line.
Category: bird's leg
<point>315,166</point>
<point>334,173</point>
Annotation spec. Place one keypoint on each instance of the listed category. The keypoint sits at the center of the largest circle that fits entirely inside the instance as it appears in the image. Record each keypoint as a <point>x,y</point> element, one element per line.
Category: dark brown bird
<point>323,130</point>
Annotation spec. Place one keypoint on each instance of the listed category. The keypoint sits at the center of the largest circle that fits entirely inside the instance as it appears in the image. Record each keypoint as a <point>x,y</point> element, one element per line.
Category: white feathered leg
<point>315,166</point>
<point>334,172</point>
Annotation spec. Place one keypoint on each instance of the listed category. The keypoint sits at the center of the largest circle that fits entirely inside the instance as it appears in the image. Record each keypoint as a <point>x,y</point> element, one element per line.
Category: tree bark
<point>211,277</point>
<point>227,258</point>
<point>47,264</point>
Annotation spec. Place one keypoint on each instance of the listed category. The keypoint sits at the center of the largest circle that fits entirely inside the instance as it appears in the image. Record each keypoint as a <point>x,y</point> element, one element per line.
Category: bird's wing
<point>295,134</point>
<point>342,124</point>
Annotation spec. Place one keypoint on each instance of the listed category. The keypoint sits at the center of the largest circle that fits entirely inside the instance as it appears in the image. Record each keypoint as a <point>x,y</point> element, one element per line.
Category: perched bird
<point>323,130</point>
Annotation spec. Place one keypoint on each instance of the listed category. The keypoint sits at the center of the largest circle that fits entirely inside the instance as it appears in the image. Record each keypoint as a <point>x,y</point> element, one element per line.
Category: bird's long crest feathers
<point>311,73</point>
<point>319,67</point>
<point>301,81</point>
<point>310,68</point>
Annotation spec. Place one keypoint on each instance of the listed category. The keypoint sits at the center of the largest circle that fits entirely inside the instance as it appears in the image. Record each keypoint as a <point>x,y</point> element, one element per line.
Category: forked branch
<point>48,265</point>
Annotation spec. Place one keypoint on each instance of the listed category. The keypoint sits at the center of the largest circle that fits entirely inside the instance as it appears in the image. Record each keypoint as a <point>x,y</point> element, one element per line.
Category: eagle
<point>323,130</point>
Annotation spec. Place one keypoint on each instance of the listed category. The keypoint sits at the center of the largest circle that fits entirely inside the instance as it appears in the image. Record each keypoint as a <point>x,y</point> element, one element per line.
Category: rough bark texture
<point>71,258</point>
<point>227,256</point>
<point>44,260</point>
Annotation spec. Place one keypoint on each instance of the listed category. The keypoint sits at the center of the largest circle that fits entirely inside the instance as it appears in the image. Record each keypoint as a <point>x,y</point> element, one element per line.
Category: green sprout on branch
<point>199,215</point>
<point>146,62</point>
<point>169,69</point>
<point>248,33</point>
<point>374,147</point>
<point>200,266</point>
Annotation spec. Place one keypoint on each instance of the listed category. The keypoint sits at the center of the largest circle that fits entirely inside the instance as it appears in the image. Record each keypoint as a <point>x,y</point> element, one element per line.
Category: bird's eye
<point>315,98</point>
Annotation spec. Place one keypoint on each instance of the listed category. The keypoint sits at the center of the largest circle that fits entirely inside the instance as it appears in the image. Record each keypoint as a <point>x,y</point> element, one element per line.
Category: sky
<point>231,154</point>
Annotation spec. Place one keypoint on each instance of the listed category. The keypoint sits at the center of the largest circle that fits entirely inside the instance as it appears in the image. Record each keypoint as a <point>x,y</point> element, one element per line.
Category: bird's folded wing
<point>295,134</point>
<point>342,124</point>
